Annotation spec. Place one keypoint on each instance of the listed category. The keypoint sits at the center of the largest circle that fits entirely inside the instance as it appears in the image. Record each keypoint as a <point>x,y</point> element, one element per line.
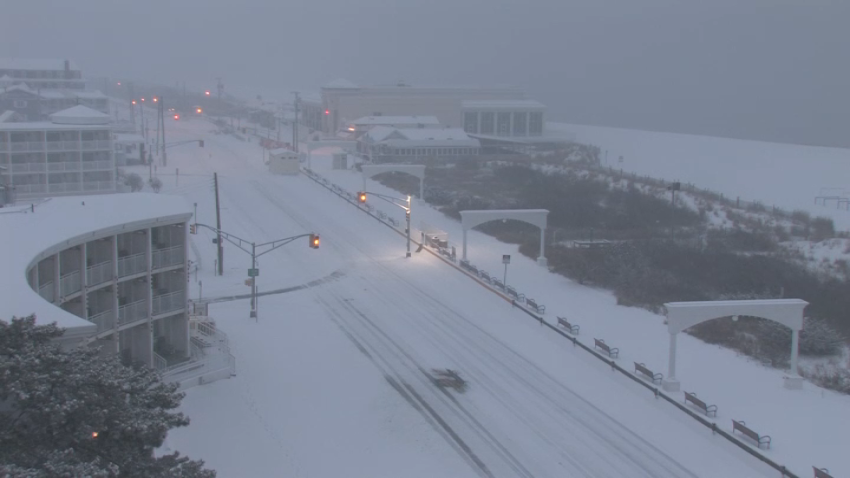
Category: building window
<point>470,122</point>
<point>503,124</point>
<point>488,123</point>
<point>20,103</point>
<point>535,124</point>
<point>520,120</point>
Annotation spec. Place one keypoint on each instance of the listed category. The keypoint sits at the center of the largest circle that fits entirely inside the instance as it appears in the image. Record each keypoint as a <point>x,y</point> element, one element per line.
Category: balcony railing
<point>64,166</point>
<point>133,311</point>
<point>96,144</point>
<point>63,145</point>
<point>65,187</point>
<point>98,186</point>
<point>104,320</point>
<point>159,362</point>
<point>169,302</point>
<point>27,146</point>
<point>30,188</point>
<point>171,256</point>
<point>46,291</point>
<point>98,165</point>
<point>130,265</point>
<point>70,283</point>
<point>28,167</point>
<point>99,273</point>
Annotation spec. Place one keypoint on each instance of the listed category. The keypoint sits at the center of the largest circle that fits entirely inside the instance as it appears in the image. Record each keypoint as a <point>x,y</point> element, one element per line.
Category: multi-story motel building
<point>70,155</point>
<point>112,271</point>
<point>43,74</point>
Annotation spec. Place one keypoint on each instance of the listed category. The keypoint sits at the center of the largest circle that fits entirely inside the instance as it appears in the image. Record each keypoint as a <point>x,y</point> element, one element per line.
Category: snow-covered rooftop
<point>396,120</point>
<point>416,137</point>
<point>26,235</point>
<point>34,64</point>
<point>502,104</point>
<point>279,151</point>
<point>48,126</point>
<point>80,114</point>
<point>340,83</point>
<point>19,87</point>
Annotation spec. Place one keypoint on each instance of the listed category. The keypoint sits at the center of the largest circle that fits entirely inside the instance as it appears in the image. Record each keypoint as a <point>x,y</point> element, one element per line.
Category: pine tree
<point>77,413</point>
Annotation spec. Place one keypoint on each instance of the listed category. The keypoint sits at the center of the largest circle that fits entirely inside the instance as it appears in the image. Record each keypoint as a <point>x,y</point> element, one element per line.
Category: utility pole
<point>295,123</point>
<point>218,227</point>
<point>254,282</point>
<point>162,125</point>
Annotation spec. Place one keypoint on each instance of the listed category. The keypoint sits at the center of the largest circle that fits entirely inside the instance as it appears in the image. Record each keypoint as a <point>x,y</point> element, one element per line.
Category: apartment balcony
<point>133,311</point>
<point>64,166</point>
<point>29,167</point>
<point>105,165</point>
<point>92,186</point>
<point>70,283</point>
<point>17,146</point>
<point>93,145</point>
<point>46,291</point>
<point>130,265</point>
<point>171,256</point>
<point>63,145</point>
<point>104,320</point>
<point>30,188</point>
<point>65,187</point>
<point>99,273</point>
<point>170,302</point>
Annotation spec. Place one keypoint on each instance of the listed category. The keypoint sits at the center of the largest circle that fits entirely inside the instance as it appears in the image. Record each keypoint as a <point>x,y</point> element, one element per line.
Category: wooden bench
<point>744,429</point>
<point>484,275</point>
<point>464,264</point>
<point>612,352</point>
<point>655,377</point>
<point>498,283</point>
<point>821,472</point>
<point>512,292</point>
<point>539,308</point>
<point>571,327</point>
<point>706,408</point>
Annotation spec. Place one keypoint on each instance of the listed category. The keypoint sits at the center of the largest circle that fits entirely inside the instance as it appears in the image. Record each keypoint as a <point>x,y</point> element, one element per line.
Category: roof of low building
<point>35,64</point>
<point>340,83</point>
<point>279,151</point>
<point>502,104</point>
<point>396,120</point>
<point>26,235</point>
<point>416,137</point>
<point>80,115</point>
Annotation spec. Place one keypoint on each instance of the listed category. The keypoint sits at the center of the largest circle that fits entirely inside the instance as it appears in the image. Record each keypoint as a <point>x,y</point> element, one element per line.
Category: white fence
<point>46,291</point>
<point>132,265</point>
<point>104,320</point>
<point>210,362</point>
<point>70,283</point>
<point>169,302</point>
<point>133,311</point>
<point>171,256</point>
<point>99,273</point>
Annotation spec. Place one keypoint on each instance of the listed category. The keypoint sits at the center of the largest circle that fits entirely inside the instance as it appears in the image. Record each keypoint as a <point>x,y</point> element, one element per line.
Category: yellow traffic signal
<point>314,241</point>
<point>361,196</point>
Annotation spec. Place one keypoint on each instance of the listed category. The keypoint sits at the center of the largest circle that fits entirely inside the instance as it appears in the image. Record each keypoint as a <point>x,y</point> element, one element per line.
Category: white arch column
<point>682,315</point>
<point>417,170</point>
<point>535,217</point>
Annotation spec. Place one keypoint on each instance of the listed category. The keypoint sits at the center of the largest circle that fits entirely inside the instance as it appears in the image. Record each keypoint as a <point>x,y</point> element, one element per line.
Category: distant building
<point>129,148</point>
<point>360,126</point>
<point>43,74</point>
<point>284,161</point>
<point>384,144</point>
<point>503,118</point>
<point>343,102</point>
<point>70,155</point>
<point>310,112</point>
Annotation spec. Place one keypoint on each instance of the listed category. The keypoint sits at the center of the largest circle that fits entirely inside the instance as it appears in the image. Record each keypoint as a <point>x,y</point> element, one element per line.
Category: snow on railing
<point>169,302</point>
<point>99,273</point>
<point>70,283</point>
<point>170,256</point>
<point>130,265</point>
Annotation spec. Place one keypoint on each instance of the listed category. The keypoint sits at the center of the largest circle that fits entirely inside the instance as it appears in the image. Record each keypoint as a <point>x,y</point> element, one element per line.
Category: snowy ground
<point>781,175</point>
<point>330,378</point>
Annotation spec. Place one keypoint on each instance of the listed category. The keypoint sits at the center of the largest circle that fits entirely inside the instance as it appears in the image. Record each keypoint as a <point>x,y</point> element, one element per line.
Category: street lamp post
<point>402,203</point>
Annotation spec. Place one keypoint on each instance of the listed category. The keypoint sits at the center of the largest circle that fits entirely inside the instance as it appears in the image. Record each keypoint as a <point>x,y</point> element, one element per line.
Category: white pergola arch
<point>418,170</point>
<point>682,315</point>
<point>535,217</point>
<point>347,146</point>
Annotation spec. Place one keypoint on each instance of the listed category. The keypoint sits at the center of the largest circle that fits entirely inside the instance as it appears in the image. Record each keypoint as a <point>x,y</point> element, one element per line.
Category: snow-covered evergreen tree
<point>77,413</point>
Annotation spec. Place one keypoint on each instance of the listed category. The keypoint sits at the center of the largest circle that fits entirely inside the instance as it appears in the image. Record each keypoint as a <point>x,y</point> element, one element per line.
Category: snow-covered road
<point>333,378</point>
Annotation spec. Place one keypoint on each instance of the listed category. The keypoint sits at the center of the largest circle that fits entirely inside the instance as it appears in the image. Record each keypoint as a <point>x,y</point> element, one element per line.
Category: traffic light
<point>361,196</point>
<point>327,112</point>
<point>176,117</point>
<point>193,229</point>
<point>314,241</point>
<point>207,92</point>
<point>199,110</point>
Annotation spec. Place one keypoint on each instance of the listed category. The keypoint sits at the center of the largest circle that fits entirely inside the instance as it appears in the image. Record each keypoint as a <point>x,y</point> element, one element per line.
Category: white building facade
<point>343,101</point>
<point>384,144</point>
<point>43,74</point>
<point>114,275</point>
<point>71,155</point>
<point>503,118</point>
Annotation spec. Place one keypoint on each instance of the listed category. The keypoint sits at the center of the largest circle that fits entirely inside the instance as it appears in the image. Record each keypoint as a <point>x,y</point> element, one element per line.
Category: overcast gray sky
<point>762,69</point>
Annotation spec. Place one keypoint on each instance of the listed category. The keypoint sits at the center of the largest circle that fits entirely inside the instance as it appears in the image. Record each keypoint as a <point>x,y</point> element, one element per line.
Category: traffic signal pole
<point>242,244</point>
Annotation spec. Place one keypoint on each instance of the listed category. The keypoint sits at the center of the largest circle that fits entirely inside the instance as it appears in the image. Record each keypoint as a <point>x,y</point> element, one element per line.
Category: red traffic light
<point>207,92</point>
<point>176,117</point>
<point>327,112</point>
<point>155,99</point>
<point>134,101</point>
<point>314,241</point>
